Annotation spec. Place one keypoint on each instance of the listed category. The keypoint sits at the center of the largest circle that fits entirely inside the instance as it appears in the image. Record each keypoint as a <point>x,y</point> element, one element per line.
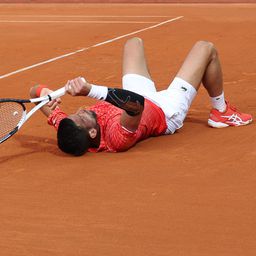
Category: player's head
<point>76,132</point>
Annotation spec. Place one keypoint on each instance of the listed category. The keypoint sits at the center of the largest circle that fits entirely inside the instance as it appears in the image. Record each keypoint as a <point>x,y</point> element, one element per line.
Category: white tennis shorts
<point>174,101</point>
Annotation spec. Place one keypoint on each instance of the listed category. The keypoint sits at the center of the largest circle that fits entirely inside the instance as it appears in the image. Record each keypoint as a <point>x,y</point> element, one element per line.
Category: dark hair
<point>72,139</point>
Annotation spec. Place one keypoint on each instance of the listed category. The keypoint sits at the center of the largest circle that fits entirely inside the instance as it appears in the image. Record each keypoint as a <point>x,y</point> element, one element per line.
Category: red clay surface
<point>128,1</point>
<point>192,193</point>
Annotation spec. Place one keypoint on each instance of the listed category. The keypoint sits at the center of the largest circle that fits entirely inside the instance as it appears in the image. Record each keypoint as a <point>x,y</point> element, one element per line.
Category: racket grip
<point>58,93</point>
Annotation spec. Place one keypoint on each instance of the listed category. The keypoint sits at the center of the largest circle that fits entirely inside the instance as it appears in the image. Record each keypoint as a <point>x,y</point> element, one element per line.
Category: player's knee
<point>135,40</point>
<point>133,43</point>
<point>206,46</point>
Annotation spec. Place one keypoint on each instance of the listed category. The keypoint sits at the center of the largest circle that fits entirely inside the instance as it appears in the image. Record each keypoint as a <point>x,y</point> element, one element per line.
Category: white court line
<point>83,16</point>
<point>77,21</point>
<point>93,46</point>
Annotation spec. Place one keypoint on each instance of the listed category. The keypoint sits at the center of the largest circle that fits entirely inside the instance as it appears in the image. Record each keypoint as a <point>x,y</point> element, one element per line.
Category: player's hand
<point>52,104</point>
<point>78,87</point>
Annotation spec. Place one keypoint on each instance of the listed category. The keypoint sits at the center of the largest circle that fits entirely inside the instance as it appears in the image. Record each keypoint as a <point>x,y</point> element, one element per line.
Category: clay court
<point>188,194</point>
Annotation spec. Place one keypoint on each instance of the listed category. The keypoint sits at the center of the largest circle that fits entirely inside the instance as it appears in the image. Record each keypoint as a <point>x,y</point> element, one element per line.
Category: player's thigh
<point>138,84</point>
<point>195,64</point>
<point>134,60</point>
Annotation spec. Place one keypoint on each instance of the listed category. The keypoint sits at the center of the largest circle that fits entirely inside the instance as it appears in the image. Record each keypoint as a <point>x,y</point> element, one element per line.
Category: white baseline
<point>78,21</point>
<point>84,16</point>
<point>87,48</point>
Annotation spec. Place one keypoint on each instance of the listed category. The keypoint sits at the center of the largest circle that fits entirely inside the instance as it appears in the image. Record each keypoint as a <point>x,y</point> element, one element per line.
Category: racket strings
<point>11,114</point>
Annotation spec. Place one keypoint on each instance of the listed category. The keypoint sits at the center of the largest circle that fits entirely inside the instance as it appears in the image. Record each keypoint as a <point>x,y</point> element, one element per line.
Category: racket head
<point>12,116</point>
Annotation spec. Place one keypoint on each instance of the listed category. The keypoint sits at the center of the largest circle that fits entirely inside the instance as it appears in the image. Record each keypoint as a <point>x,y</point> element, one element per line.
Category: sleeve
<point>118,138</point>
<point>55,117</point>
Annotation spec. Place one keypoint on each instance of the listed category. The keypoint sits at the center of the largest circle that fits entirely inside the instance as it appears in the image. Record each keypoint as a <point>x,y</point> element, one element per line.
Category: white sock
<point>219,102</point>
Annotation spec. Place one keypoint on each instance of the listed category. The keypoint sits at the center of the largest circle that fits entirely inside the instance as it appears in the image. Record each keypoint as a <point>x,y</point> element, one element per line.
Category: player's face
<point>84,118</point>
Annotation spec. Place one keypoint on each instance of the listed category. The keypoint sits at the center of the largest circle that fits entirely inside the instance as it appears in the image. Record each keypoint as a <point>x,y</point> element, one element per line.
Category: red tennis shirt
<point>114,137</point>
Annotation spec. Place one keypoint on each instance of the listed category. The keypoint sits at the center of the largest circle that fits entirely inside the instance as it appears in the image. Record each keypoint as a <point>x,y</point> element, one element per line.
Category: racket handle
<point>58,93</point>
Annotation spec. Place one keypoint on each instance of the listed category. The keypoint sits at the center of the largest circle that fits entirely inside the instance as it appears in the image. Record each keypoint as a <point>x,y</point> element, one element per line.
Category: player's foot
<point>231,117</point>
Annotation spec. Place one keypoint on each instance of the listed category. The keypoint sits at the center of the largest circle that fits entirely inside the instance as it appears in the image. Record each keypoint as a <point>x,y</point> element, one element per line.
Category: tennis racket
<point>13,112</point>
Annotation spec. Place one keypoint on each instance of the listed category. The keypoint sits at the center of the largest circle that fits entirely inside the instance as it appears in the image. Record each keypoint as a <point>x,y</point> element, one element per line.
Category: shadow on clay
<point>35,144</point>
<point>196,120</point>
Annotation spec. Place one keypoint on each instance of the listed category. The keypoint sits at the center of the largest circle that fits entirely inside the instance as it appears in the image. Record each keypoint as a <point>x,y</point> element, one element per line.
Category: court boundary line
<point>87,48</point>
<point>79,21</point>
<point>85,16</point>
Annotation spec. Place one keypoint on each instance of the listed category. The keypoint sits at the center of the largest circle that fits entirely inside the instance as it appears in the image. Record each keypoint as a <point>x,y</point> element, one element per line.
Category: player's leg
<point>136,76</point>
<point>134,59</point>
<point>203,65</point>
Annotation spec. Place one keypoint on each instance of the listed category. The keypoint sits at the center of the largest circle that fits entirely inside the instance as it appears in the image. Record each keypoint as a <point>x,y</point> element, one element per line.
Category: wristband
<point>98,92</point>
<point>39,89</point>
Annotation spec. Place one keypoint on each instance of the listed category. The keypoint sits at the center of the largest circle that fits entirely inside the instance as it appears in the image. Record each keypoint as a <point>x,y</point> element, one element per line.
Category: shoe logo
<point>234,119</point>
<point>184,88</point>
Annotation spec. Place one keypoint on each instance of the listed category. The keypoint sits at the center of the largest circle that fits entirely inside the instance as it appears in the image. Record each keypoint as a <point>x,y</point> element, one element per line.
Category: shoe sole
<point>223,125</point>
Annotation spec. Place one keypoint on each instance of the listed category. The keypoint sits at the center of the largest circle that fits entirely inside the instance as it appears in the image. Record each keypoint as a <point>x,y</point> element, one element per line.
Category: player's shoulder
<point>100,105</point>
<point>105,108</point>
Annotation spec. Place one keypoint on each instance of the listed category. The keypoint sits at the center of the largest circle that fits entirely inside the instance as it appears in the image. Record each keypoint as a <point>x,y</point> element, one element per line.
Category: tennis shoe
<point>231,117</point>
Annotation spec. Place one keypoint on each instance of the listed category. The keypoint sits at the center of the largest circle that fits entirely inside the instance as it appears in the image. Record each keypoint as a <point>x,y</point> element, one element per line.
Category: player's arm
<point>42,90</point>
<point>132,103</point>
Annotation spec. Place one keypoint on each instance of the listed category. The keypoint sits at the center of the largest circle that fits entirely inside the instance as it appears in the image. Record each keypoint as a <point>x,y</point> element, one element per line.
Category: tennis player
<point>122,117</point>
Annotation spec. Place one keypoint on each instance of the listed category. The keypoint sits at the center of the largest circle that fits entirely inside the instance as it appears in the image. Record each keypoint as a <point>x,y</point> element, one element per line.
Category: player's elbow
<point>32,91</point>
